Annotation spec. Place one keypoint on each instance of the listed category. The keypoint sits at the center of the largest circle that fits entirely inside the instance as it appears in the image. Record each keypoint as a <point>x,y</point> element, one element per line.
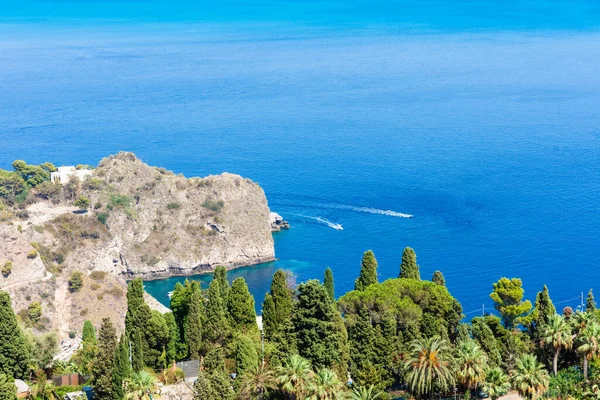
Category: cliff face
<point>141,221</point>
<point>161,224</point>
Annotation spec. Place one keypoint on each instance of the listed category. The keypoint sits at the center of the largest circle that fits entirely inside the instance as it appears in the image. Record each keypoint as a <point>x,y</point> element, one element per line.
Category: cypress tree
<point>174,337</point>
<point>121,368</point>
<point>277,307</point>
<point>14,348</point>
<point>240,306</point>
<point>368,272</point>
<point>544,309</point>
<point>362,343</point>
<point>89,332</point>
<point>195,322</point>
<point>590,304</point>
<point>409,267</point>
<point>216,318</point>
<point>138,352</point>
<point>135,299</point>
<point>314,325</point>
<point>202,388</point>
<point>180,302</point>
<point>246,357</point>
<point>221,276</point>
<point>438,278</point>
<point>104,363</point>
<point>485,337</point>
<point>328,283</point>
<point>8,390</point>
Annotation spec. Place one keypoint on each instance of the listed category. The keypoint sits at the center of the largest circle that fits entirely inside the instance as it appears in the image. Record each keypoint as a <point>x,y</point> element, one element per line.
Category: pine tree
<point>89,332</point>
<point>507,295</point>
<point>216,318</point>
<point>409,267</point>
<point>328,283</point>
<point>221,276</point>
<point>14,348</point>
<point>8,390</point>
<point>240,306</point>
<point>438,278</point>
<point>246,357</point>
<point>315,326</point>
<point>138,352</point>
<point>202,388</point>
<point>121,368</point>
<point>590,304</point>
<point>195,322</point>
<point>104,363</point>
<point>277,307</point>
<point>368,272</point>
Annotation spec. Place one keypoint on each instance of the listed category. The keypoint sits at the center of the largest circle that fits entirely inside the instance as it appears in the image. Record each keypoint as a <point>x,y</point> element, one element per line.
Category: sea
<point>467,130</point>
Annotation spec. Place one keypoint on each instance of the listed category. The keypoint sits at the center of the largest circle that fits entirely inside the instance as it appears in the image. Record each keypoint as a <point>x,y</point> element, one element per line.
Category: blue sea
<point>480,119</point>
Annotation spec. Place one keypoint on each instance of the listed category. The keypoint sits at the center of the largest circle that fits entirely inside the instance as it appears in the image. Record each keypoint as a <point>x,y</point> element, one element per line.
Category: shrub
<point>103,217</point>
<point>93,184</point>
<point>7,269</point>
<point>72,334</point>
<point>83,203</point>
<point>173,206</point>
<point>32,254</point>
<point>213,205</point>
<point>97,206</point>
<point>98,275</point>
<point>34,311</point>
<point>75,281</point>
<point>47,191</point>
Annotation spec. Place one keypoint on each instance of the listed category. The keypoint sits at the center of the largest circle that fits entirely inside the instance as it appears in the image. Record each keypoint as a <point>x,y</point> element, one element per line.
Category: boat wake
<point>330,224</point>
<point>372,210</point>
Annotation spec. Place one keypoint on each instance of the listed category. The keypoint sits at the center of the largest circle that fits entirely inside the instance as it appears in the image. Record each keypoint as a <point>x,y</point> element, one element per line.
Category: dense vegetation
<point>404,336</point>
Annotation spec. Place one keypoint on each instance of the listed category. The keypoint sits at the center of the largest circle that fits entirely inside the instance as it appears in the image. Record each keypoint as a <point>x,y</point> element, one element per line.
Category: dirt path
<point>41,212</point>
<point>15,284</point>
<point>63,308</point>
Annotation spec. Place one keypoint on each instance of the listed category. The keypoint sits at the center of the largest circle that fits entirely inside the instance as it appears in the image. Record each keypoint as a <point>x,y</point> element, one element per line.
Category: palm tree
<point>257,381</point>
<point>589,344</point>
<point>325,386</point>
<point>471,363</point>
<point>530,378</point>
<point>295,375</point>
<point>496,383</point>
<point>365,393</point>
<point>428,366</point>
<point>140,385</point>
<point>557,333</point>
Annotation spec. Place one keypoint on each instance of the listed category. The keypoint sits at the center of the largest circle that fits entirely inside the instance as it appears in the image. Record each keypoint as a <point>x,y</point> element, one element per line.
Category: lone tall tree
<point>328,283</point>
<point>240,305</point>
<point>590,304</point>
<point>508,296</point>
<point>438,278</point>
<point>221,276</point>
<point>195,322</point>
<point>216,318</point>
<point>409,267</point>
<point>368,272</point>
<point>121,367</point>
<point>104,363</point>
<point>14,349</point>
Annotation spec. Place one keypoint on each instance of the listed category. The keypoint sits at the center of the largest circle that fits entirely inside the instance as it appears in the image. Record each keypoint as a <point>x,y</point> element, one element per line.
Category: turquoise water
<point>480,119</point>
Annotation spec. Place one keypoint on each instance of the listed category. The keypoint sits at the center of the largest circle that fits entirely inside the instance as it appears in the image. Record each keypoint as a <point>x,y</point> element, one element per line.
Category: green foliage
<point>123,202</point>
<point>202,387</point>
<point>541,314</point>
<point>295,376</point>
<point>102,370</point>
<point>82,202</point>
<point>409,267</point>
<point>121,368</point>
<point>368,272</point>
<point>43,349</point>
<point>34,311</point>
<point>173,206</point>
<point>213,205</point>
<point>8,390</point>
<point>438,278</point>
<point>75,281</point>
<point>485,337</point>
<point>32,254</point>
<point>496,383</point>
<point>277,307</point>
<point>13,188</point>
<point>557,334</point>
<point>89,332</point>
<point>195,322</point>
<point>365,393</point>
<point>7,268</point>
<point>217,327</point>
<point>428,366</point>
<point>240,305</point>
<point>507,296</point>
<point>314,325</point>
<point>529,377</point>
<point>471,363</point>
<point>221,276</point>
<point>33,175</point>
<point>590,303</point>
<point>328,283</point>
<point>48,191</point>
<point>174,337</point>
<point>180,303</point>
<point>137,358</point>
<point>246,357</point>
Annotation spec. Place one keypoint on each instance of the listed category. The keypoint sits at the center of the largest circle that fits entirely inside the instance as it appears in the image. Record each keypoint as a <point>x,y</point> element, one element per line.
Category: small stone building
<point>63,174</point>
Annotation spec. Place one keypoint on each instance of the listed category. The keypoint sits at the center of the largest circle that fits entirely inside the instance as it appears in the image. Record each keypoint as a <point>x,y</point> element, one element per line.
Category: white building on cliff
<point>63,174</point>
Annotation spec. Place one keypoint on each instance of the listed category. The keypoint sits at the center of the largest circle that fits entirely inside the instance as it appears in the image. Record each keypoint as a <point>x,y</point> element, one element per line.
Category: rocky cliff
<point>140,221</point>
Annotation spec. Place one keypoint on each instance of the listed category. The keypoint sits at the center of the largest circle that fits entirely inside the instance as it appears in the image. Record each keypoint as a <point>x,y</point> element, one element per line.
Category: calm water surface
<point>480,120</point>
